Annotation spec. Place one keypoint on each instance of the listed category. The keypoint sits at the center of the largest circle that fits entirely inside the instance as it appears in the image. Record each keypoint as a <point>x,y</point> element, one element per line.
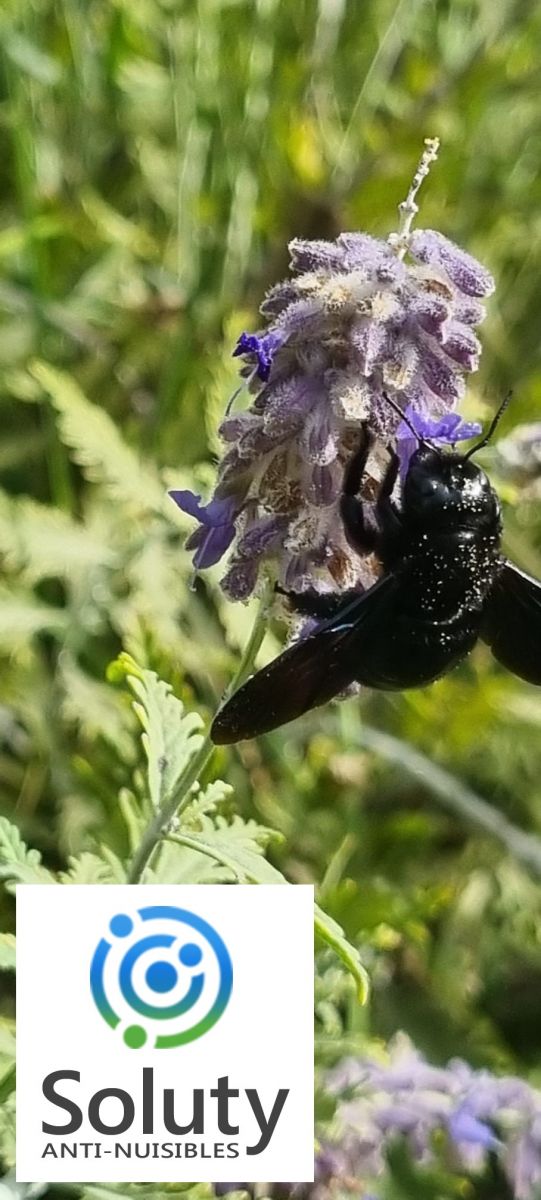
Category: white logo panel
<point>165,1033</point>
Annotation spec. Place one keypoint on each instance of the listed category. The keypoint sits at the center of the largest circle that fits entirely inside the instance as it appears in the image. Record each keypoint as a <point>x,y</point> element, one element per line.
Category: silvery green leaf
<point>7,952</point>
<point>10,1190</point>
<point>97,444</point>
<point>332,933</point>
<point>18,864</point>
<point>7,1143</point>
<point>91,868</point>
<point>171,735</point>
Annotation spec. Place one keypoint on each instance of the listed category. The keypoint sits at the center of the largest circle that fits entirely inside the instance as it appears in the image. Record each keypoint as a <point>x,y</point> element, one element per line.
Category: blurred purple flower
<point>405,1097</point>
<point>463,1126</point>
<point>482,1114</point>
<point>524,1164</point>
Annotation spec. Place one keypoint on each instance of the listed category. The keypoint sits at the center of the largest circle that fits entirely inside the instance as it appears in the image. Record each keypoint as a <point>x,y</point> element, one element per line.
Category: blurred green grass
<point>155,160</point>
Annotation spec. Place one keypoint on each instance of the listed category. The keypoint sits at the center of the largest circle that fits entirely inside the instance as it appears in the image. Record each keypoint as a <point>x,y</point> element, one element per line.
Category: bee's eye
<point>429,485</point>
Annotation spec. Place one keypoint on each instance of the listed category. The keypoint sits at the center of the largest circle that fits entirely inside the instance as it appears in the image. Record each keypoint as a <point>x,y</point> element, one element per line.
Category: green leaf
<point>7,1140</point>
<point>115,227</point>
<point>332,933</point>
<point>7,1091</point>
<point>97,709</point>
<point>18,864</point>
<point>90,868</point>
<point>31,59</point>
<point>233,849</point>
<point>7,1045</point>
<point>8,1080</point>
<point>98,446</point>
<point>7,952</point>
<point>171,735</point>
<point>205,803</point>
<point>179,864</point>
<point>237,846</point>
<point>248,866</point>
<point>21,617</point>
<point>43,542</point>
<point>7,1039</point>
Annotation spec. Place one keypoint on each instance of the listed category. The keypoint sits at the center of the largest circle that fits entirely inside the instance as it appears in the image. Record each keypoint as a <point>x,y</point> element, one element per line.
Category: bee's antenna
<point>492,427</point>
<point>406,420</point>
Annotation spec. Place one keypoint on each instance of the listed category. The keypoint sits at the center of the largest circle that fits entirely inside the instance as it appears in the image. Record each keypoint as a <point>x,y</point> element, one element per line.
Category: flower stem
<point>175,804</point>
<point>408,209</point>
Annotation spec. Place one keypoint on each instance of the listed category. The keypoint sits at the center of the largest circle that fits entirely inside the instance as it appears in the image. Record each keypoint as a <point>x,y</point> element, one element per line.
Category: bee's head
<point>447,489</point>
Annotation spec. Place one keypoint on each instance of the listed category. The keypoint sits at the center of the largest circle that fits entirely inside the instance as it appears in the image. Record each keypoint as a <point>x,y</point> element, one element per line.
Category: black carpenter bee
<point>444,585</point>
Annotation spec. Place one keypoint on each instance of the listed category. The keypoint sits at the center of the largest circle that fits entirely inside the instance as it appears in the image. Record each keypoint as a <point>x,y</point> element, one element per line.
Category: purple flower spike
<point>264,349</point>
<point>408,1098</point>
<point>360,319</point>
<point>217,528</point>
<point>448,429</point>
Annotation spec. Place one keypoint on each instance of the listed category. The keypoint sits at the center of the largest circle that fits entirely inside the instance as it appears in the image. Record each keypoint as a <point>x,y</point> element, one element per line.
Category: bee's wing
<point>512,623</point>
<point>311,672</point>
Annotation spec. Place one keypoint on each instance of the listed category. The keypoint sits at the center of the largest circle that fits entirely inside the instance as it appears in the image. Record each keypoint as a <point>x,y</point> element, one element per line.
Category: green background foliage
<point>155,159</point>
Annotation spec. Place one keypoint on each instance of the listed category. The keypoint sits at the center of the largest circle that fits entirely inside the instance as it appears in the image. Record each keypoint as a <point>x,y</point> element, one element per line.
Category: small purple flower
<point>448,429</point>
<point>240,579</point>
<point>523,1165</point>
<point>264,349</point>
<point>217,528</point>
<point>463,270</point>
<point>262,535</point>
<point>463,1126</point>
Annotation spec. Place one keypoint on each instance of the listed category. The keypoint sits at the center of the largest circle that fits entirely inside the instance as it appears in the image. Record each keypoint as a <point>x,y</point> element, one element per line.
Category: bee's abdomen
<point>448,574</point>
<point>444,582</point>
<point>416,652</point>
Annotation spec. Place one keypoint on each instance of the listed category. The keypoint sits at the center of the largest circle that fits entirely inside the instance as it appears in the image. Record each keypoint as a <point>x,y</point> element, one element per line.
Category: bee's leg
<point>385,507</point>
<point>320,605</point>
<point>361,538</point>
<point>355,467</point>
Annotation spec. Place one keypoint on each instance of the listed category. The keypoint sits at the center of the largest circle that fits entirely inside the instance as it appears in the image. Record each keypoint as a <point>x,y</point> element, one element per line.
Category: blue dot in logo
<point>161,976</point>
<point>190,955</point>
<point>121,925</point>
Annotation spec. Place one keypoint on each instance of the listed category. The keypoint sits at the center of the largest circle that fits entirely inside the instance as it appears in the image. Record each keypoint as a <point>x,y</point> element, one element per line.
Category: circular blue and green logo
<point>164,976</point>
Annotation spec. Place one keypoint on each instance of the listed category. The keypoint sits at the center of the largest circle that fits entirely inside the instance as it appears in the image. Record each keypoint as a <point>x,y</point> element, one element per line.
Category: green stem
<point>175,804</point>
<point>454,795</point>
